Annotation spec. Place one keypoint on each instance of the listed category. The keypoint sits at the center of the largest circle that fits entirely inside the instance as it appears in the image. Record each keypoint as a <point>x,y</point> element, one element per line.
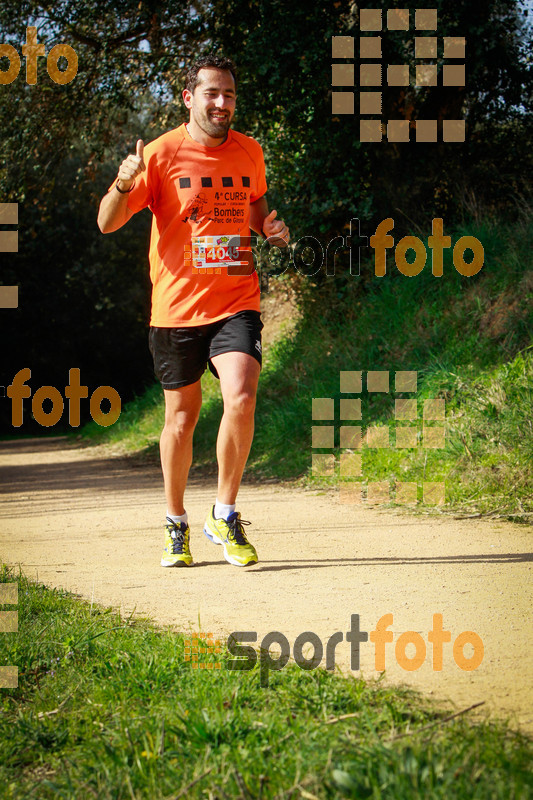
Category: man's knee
<point>181,417</point>
<point>240,403</point>
<point>181,423</point>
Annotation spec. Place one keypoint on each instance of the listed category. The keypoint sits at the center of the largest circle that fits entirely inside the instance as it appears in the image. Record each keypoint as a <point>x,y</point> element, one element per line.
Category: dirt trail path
<point>93,525</point>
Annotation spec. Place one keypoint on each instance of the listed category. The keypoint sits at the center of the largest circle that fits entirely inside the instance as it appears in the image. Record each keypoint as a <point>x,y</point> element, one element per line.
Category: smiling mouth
<point>219,116</point>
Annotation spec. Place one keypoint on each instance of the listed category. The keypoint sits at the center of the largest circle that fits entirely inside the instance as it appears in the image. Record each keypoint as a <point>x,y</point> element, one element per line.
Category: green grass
<point>486,463</point>
<point>469,340</point>
<point>107,707</point>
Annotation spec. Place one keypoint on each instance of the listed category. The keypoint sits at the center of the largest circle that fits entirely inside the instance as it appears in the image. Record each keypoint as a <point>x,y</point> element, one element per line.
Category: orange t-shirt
<point>197,191</point>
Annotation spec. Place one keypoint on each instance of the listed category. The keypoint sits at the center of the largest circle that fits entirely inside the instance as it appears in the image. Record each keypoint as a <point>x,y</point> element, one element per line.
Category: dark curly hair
<point>210,60</point>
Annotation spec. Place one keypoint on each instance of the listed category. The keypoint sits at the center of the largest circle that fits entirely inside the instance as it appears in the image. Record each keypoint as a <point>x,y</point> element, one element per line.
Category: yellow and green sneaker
<point>176,552</point>
<point>230,534</point>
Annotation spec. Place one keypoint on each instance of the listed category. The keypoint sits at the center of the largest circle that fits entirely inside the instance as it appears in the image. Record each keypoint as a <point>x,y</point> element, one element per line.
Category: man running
<point>205,185</point>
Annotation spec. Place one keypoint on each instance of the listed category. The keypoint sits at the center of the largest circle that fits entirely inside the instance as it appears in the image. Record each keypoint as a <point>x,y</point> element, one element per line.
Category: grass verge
<point>107,707</point>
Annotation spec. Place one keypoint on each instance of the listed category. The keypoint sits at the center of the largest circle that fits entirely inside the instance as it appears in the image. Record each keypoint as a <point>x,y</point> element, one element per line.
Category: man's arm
<point>264,223</point>
<point>114,212</point>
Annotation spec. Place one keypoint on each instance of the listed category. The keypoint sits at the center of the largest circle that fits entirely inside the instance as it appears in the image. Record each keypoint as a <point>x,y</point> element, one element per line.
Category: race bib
<point>221,251</point>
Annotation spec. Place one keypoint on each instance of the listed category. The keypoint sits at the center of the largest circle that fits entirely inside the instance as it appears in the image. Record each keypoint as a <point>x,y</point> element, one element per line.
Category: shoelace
<point>178,541</point>
<point>236,531</point>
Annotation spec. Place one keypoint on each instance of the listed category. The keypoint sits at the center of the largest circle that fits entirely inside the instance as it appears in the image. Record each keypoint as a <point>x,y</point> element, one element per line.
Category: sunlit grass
<point>108,707</point>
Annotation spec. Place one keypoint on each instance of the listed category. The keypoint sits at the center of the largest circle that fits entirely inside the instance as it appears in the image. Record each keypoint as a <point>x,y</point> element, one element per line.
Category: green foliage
<point>107,706</point>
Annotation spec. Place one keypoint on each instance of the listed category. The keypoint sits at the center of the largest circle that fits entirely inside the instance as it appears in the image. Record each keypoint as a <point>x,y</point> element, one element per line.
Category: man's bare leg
<point>239,375</point>
<point>182,409</point>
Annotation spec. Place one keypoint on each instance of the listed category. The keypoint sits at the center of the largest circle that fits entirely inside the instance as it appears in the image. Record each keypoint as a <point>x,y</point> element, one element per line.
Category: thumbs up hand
<point>132,166</point>
<point>275,230</point>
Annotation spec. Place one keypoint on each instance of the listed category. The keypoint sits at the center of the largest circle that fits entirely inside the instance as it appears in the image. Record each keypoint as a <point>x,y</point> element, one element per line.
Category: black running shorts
<point>182,354</point>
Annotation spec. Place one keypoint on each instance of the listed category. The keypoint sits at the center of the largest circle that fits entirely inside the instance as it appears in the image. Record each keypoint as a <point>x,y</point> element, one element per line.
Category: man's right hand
<point>114,212</point>
<point>132,166</point>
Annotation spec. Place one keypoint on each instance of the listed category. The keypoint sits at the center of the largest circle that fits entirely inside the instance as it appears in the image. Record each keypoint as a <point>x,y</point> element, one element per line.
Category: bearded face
<point>212,104</point>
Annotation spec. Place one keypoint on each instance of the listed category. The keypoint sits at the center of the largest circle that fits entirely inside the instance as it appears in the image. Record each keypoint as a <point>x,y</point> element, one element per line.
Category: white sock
<point>222,511</point>
<point>177,518</point>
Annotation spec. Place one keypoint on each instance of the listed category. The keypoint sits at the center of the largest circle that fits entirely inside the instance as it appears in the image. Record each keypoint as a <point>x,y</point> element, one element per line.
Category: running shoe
<point>230,534</point>
<point>176,552</point>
